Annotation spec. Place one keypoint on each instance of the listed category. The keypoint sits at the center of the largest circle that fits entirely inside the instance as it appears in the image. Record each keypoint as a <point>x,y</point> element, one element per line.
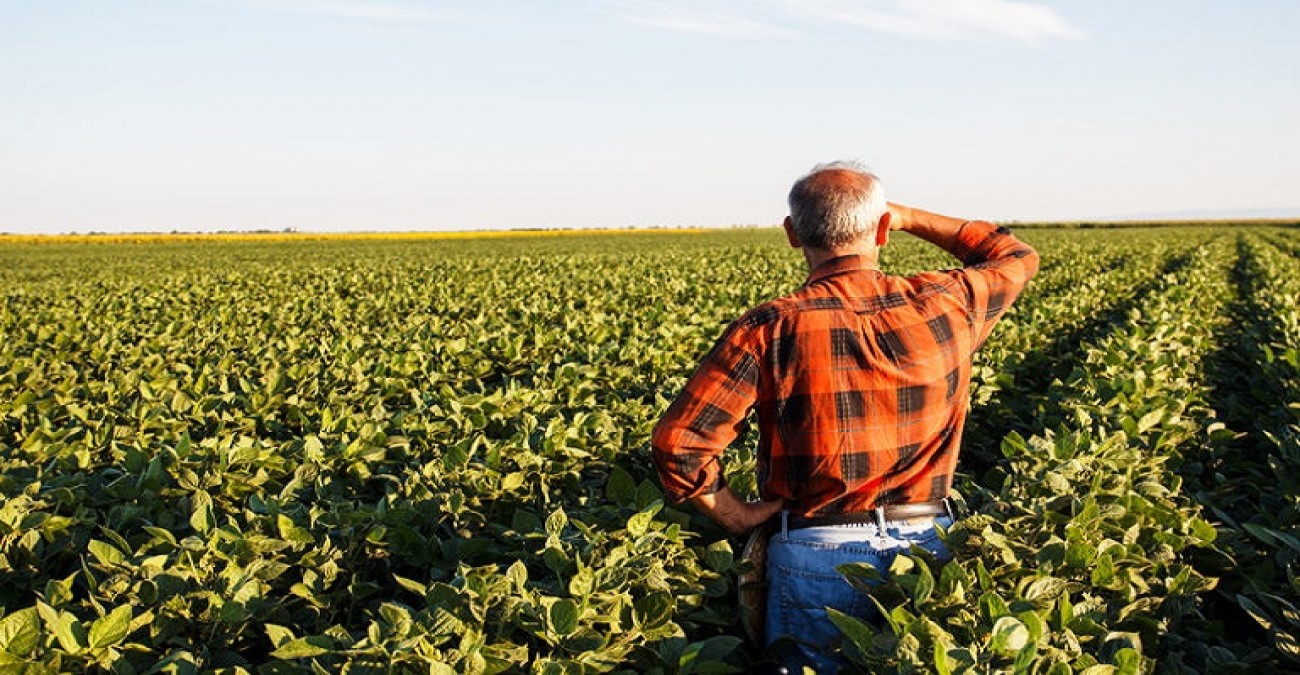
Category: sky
<point>352,115</point>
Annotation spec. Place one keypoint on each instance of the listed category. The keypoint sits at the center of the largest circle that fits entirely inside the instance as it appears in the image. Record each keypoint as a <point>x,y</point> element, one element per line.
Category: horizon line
<point>297,233</point>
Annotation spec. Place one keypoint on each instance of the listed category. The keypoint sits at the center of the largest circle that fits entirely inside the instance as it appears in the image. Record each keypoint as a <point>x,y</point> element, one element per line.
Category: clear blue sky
<point>409,114</point>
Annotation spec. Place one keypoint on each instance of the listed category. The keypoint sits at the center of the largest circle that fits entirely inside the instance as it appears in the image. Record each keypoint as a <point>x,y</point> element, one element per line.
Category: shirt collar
<point>840,265</point>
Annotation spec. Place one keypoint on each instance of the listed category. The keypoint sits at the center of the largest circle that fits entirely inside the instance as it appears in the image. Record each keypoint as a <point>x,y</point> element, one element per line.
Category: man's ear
<point>790,236</point>
<point>882,229</point>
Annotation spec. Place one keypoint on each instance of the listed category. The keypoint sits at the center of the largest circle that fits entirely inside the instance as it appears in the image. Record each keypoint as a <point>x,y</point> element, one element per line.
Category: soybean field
<point>432,455</point>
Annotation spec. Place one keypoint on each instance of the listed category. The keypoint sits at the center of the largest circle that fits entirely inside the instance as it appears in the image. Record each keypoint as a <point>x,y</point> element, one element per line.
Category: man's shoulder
<point>766,314</point>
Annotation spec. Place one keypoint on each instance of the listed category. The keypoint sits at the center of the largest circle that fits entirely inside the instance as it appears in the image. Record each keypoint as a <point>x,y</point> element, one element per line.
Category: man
<point>860,381</point>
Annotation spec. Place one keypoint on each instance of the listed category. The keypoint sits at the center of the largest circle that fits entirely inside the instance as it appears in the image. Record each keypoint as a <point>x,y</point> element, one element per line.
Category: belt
<point>879,515</point>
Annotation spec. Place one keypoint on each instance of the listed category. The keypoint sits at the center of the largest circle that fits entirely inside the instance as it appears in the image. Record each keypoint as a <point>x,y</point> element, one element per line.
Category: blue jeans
<point>803,582</point>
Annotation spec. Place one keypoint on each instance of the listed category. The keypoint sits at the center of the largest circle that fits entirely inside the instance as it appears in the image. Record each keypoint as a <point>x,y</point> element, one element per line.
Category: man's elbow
<point>661,452</point>
<point>1018,252</point>
<point>1030,260</point>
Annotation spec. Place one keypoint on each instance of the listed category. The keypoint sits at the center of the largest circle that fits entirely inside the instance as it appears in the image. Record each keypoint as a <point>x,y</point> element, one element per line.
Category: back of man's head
<point>836,204</point>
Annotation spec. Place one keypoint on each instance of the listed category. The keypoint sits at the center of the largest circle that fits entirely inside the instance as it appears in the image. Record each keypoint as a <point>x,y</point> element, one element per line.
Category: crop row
<point>1043,336</point>
<point>1250,482</point>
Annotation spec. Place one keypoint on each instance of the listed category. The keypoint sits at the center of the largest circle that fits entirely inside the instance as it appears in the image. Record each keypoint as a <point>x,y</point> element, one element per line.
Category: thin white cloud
<point>927,19</point>
<point>945,19</point>
<point>360,9</point>
<point>722,19</point>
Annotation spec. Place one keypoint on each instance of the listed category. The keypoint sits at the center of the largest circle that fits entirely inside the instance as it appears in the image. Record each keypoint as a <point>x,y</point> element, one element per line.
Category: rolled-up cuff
<point>678,487</point>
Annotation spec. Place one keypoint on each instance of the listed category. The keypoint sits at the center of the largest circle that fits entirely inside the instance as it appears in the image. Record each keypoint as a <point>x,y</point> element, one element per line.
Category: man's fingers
<point>764,510</point>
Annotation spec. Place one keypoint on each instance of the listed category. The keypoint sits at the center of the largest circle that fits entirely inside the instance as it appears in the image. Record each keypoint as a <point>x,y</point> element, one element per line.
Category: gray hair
<point>836,204</point>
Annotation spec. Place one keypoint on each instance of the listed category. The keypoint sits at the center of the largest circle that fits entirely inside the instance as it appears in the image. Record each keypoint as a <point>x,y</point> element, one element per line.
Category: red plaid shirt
<point>860,381</point>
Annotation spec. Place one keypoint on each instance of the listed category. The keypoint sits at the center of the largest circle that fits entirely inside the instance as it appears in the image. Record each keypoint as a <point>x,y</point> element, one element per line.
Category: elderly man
<point>860,381</point>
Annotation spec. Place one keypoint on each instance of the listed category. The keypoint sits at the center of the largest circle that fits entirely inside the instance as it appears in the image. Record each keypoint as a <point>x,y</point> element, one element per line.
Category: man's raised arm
<point>932,227</point>
<point>998,265</point>
<point>971,241</point>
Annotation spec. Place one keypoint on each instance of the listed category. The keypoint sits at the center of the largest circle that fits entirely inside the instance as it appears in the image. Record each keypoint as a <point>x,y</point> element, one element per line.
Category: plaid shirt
<point>860,381</point>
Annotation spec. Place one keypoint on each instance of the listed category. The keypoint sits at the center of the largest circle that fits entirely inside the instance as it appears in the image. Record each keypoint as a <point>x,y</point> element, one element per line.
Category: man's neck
<point>817,256</point>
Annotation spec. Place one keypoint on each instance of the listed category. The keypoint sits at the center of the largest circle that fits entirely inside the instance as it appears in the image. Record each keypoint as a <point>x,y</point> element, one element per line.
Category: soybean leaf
<point>304,648</point>
<point>20,632</point>
<point>562,617</point>
<point>111,628</point>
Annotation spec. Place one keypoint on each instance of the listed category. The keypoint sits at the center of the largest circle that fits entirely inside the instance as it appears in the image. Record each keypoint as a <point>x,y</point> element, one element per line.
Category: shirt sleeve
<point>697,428</point>
<point>998,265</point>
